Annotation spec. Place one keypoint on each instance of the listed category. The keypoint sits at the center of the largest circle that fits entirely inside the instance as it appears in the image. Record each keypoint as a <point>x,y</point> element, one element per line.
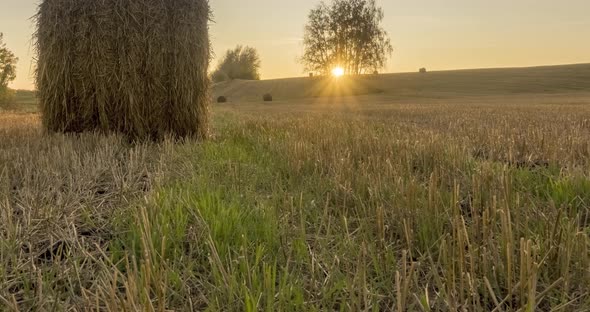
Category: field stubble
<point>444,205</point>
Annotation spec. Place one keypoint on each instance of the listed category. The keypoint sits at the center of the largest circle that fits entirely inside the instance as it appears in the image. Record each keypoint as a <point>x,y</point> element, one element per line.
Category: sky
<point>436,34</point>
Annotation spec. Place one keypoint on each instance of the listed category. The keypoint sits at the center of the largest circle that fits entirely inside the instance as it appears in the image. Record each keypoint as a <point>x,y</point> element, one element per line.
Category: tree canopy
<point>239,63</point>
<point>7,64</point>
<point>346,34</point>
<point>7,71</point>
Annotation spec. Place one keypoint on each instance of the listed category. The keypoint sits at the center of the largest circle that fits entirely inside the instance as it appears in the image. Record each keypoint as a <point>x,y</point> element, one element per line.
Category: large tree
<point>346,34</point>
<point>7,68</point>
<point>239,63</point>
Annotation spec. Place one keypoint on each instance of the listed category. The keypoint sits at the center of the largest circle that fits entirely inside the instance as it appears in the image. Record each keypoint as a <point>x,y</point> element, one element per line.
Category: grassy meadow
<point>449,191</point>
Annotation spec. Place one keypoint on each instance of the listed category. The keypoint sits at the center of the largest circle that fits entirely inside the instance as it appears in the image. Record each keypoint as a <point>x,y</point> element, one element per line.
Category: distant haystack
<point>267,97</point>
<point>222,99</point>
<point>423,70</point>
<point>138,67</point>
<point>311,75</point>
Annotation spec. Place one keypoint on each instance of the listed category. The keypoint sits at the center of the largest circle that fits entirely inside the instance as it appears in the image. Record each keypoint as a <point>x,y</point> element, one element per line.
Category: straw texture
<point>138,67</point>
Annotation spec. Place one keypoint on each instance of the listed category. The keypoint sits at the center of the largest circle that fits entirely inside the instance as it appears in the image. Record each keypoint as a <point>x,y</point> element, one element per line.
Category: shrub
<point>221,99</point>
<point>219,76</point>
<point>423,70</point>
<point>239,63</point>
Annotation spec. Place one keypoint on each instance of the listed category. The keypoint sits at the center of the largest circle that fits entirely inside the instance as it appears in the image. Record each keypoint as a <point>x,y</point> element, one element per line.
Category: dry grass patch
<point>475,205</point>
<point>60,196</point>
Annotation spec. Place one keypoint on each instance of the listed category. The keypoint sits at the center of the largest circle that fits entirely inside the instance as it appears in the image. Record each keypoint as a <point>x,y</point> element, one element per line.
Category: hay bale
<point>138,67</point>
<point>222,99</point>
<point>267,97</point>
<point>423,70</point>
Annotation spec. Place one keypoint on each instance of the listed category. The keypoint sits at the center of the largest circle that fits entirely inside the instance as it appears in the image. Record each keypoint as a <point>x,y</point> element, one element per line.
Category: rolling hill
<point>476,82</point>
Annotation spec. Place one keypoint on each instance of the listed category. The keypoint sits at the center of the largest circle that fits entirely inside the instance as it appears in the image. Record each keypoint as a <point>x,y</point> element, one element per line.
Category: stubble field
<point>428,199</point>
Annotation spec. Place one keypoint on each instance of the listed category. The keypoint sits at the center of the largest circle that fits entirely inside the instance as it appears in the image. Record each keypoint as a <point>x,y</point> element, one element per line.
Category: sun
<point>338,71</point>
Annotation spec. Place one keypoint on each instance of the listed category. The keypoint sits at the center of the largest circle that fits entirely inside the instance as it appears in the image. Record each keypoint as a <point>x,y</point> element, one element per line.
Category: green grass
<point>286,224</point>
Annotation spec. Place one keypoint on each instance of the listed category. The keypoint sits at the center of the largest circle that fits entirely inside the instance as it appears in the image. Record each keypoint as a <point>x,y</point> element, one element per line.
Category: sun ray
<point>338,71</point>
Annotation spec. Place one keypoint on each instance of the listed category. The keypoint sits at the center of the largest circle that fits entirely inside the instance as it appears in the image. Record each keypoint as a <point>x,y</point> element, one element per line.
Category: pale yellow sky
<point>436,34</point>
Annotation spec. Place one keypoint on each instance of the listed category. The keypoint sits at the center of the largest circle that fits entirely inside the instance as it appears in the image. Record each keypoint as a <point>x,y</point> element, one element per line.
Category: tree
<point>7,64</point>
<point>7,69</point>
<point>239,63</point>
<point>346,34</point>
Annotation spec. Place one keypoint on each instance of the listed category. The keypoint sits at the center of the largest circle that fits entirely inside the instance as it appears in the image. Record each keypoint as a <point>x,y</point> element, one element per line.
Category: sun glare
<point>338,72</point>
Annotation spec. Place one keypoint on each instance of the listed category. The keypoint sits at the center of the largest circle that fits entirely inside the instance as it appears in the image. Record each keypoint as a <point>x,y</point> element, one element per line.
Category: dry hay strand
<point>137,67</point>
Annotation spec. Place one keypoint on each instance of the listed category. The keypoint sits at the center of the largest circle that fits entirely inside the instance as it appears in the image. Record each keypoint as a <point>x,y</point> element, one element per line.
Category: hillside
<point>476,82</point>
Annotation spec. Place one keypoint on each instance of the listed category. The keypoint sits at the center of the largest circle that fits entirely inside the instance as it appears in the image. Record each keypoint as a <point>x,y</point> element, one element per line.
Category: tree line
<point>347,34</point>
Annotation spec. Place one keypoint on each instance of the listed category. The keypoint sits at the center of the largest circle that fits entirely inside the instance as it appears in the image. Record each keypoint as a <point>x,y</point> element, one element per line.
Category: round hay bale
<point>136,67</point>
<point>222,99</point>
<point>423,70</point>
<point>267,97</point>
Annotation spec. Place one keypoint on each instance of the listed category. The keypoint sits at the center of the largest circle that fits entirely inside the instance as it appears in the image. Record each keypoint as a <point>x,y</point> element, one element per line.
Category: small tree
<point>7,70</point>
<point>239,63</point>
<point>347,34</point>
